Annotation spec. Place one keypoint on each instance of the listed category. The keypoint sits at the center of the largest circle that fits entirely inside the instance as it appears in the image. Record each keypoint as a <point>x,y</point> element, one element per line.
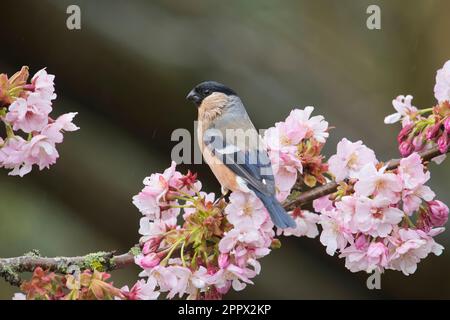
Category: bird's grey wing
<point>251,164</point>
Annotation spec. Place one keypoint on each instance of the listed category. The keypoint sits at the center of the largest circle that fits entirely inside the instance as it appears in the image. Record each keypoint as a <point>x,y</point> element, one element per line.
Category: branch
<point>11,268</point>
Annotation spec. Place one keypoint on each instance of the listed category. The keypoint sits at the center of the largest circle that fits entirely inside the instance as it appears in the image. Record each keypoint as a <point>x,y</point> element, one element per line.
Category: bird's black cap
<point>204,89</point>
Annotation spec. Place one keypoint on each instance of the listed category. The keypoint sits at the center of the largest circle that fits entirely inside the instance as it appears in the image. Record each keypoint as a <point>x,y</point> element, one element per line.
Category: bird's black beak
<point>194,97</point>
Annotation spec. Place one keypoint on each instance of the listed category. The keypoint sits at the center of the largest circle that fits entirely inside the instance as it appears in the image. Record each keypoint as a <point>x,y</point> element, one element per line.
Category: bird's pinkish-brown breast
<point>211,108</point>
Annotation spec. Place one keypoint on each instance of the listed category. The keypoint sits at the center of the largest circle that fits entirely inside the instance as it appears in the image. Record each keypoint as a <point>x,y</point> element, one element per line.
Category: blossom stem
<point>9,130</point>
<point>169,254</point>
<point>422,111</point>
<point>182,198</point>
<point>182,253</point>
<point>408,220</point>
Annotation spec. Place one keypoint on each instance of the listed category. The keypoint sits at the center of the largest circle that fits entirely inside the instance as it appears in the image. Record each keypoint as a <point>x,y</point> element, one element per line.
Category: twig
<point>11,268</point>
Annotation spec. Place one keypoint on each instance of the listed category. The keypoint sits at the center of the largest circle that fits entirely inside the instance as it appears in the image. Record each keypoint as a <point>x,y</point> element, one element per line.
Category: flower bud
<point>404,132</point>
<point>149,261</point>
<point>443,143</point>
<point>447,125</point>
<point>406,148</point>
<point>432,131</point>
<point>438,213</point>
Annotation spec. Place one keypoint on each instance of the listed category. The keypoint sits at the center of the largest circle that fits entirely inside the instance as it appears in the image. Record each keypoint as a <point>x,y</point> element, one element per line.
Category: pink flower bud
<point>404,132</point>
<point>447,125</point>
<point>443,143</point>
<point>438,213</point>
<point>406,148</point>
<point>151,245</point>
<point>223,260</point>
<point>432,131</point>
<point>149,261</point>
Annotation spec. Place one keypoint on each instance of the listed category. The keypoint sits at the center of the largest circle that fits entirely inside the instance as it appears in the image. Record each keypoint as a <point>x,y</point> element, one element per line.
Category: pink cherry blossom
<point>412,198</point>
<point>163,276</point>
<point>245,210</point>
<point>28,115</point>
<point>367,257</point>
<point>378,183</point>
<point>323,204</point>
<point>334,235</point>
<point>284,136</point>
<point>376,217</point>
<point>152,196</point>
<point>244,235</point>
<point>409,247</point>
<point>236,276</point>
<point>349,159</point>
<point>442,86</point>
<point>316,126</point>
<point>147,203</point>
<point>63,123</point>
<point>404,110</point>
<point>285,171</point>
<point>41,150</point>
<point>377,255</point>
<point>355,258</point>
<point>142,290</point>
<point>346,209</point>
<point>306,225</point>
<point>411,171</point>
<point>44,84</point>
<point>12,156</point>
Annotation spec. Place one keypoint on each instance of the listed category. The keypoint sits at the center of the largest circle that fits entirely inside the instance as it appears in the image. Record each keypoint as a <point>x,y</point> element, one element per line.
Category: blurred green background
<point>128,70</point>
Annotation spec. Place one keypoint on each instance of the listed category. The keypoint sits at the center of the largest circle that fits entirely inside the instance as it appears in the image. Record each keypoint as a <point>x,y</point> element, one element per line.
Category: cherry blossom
<point>378,183</point>
<point>349,159</point>
<point>245,209</point>
<point>410,246</point>
<point>405,110</point>
<point>28,115</point>
<point>442,87</point>
<point>316,126</point>
<point>142,290</point>
<point>306,225</point>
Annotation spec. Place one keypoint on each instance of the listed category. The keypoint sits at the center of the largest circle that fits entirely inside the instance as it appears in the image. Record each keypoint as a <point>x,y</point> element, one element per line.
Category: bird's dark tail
<point>277,213</point>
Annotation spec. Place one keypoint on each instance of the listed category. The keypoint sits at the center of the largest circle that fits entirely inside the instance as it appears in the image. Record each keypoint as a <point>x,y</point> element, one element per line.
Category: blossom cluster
<point>294,148</point>
<point>380,219</point>
<point>215,246</point>
<point>423,129</point>
<point>31,134</point>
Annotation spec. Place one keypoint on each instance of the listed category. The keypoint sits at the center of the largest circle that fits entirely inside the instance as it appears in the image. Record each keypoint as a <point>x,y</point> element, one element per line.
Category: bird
<point>233,149</point>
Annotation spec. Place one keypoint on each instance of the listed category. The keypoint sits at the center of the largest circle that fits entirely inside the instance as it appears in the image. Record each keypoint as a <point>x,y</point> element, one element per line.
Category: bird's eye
<point>207,92</point>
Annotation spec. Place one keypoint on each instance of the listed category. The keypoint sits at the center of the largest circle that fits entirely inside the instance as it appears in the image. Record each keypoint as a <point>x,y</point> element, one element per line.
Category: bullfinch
<point>233,149</point>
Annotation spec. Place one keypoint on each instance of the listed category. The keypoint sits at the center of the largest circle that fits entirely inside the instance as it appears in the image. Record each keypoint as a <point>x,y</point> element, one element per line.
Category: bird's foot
<point>225,192</point>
